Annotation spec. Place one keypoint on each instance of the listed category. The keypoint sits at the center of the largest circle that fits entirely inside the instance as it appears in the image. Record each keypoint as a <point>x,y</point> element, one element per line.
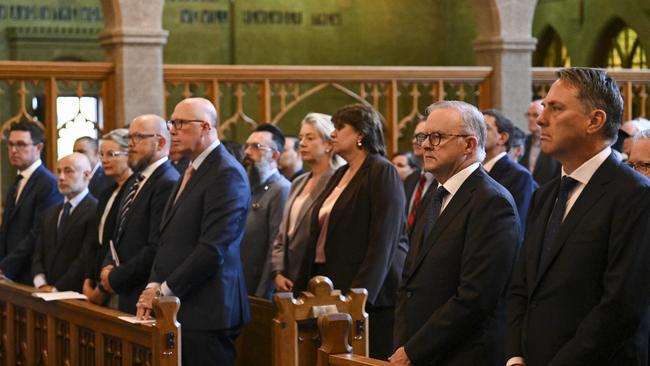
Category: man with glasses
<point>580,290</point>
<point>203,224</point>
<point>136,236</point>
<point>33,191</point>
<point>640,153</point>
<point>450,303</point>
<point>541,166</point>
<point>270,190</point>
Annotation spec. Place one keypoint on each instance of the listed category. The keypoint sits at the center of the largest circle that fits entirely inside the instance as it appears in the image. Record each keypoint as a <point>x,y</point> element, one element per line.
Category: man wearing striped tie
<point>134,244</point>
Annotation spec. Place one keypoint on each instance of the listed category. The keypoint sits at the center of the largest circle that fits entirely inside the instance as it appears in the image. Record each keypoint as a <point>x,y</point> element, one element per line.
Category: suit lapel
<point>546,198</point>
<point>348,195</point>
<point>454,207</point>
<point>595,188</point>
<point>28,187</point>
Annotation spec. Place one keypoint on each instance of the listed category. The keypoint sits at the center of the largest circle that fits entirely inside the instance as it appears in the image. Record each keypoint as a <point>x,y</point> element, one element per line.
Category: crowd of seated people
<point>480,246</point>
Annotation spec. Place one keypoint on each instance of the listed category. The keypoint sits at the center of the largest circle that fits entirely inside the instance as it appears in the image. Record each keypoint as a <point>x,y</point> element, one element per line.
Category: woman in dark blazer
<point>293,236</point>
<point>113,154</point>
<point>357,235</point>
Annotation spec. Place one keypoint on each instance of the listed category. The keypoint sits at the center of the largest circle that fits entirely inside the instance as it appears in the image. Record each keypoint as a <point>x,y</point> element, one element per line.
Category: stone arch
<point>602,44</point>
<point>548,38</point>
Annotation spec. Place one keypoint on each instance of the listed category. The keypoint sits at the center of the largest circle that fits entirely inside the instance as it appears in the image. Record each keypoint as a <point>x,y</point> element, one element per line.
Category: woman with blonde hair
<point>293,235</point>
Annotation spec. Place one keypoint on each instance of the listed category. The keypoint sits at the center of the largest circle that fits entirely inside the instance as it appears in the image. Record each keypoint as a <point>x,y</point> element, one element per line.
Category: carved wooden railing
<point>75,332</point>
<point>21,81</point>
<point>634,84</point>
<point>335,347</point>
<point>248,95</point>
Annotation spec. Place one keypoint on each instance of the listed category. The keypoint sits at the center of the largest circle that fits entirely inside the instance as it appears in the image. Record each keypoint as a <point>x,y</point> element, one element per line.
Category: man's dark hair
<point>34,130</point>
<point>517,137</point>
<point>276,135</point>
<point>365,120</point>
<point>596,90</point>
<point>503,123</point>
<point>93,142</point>
<point>296,143</point>
<point>410,158</point>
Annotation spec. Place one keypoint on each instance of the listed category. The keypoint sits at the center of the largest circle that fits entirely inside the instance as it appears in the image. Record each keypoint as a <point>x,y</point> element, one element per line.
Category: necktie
<point>14,189</point>
<point>416,202</point>
<point>186,177</point>
<point>126,204</point>
<point>429,217</point>
<point>65,214</point>
<point>555,220</point>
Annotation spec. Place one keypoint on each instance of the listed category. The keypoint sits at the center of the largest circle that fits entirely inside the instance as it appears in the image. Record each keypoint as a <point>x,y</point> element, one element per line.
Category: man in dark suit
<point>203,224</point>
<point>138,223</point>
<point>68,230</point>
<point>450,303</point>
<point>417,184</point>
<point>543,167</point>
<point>270,190</point>
<point>99,181</point>
<point>580,289</point>
<point>497,163</point>
<point>290,163</point>
<point>32,192</point>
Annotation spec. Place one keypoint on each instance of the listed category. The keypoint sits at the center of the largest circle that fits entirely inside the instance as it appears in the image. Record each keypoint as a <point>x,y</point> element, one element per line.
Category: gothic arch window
<point>626,51</point>
<point>551,51</point>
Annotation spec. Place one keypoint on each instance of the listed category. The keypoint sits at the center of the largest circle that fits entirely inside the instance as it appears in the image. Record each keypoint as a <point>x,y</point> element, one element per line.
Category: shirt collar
<point>488,165</point>
<point>584,173</point>
<point>95,169</point>
<point>29,171</point>
<point>196,163</point>
<point>78,198</point>
<point>452,185</point>
<point>153,166</point>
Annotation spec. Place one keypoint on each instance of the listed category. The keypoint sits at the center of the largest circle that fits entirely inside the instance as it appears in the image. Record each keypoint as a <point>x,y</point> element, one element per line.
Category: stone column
<point>134,39</point>
<point>505,43</point>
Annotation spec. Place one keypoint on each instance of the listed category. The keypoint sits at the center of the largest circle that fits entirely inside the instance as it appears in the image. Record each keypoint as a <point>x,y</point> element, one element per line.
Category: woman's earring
<point>328,150</point>
<point>359,144</point>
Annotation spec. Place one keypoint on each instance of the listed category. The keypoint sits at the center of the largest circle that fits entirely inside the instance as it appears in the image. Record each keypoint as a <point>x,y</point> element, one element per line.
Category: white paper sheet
<point>134,320</point>
<point>64,295</point>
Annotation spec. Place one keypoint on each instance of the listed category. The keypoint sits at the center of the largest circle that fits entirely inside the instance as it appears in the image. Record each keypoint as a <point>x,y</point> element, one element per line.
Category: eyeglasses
<point>178,123</point>
<point>137,137</point>
<point>435,137</point>
<point>257,146</point>
<point>640,166</point>
<point>112,154</point>
<point>19,145</point>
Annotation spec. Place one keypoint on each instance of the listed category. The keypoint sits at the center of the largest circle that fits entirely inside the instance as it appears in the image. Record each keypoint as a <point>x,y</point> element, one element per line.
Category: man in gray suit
<point>269,194</point>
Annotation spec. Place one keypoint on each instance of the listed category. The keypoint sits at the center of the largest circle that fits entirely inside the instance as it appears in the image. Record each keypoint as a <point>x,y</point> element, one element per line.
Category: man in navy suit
<point>32,192</point>
<point>497,163</point>
<point>137,231</point>
<point>580,291</point>
<point>201,231</point>
<point>450,303</point>
<point>68,230</point>
<point>542,166</point>
<point>99,181</point>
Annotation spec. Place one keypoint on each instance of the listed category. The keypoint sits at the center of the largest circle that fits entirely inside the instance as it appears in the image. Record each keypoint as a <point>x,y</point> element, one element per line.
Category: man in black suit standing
<point>497,163</point>
<point>32,192</point>
<point>68,230</point>
<point>99,181</point>
<point>450,304</point>
<point>580,289</point>
<point>417,184</point>
<point>543,167</point>
<point>138,223</point>
<point>203,224</point>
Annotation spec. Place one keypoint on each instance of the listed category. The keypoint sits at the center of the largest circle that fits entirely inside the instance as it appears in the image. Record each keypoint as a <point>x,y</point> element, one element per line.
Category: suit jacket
<point>588,305</point>
<point>100,182</point>
<point>21,223</point>
<point>546,168</point>
<point>366,244</point>
<point>517,181</point>
<point>262,225</point>
<point>136,246</point>
<point>200,235</point>
<point>63,258</point>
<point>450,304</point>
<point>289,251</point>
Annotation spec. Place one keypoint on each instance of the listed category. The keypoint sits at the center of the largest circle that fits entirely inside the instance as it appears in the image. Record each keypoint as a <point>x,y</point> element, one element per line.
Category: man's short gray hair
<point>471,118</point>
<point>642,135</point>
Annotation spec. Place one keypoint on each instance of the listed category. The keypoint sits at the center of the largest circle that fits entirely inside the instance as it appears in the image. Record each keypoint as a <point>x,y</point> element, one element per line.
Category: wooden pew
<point>335,349</point>
<point>76,332</point>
